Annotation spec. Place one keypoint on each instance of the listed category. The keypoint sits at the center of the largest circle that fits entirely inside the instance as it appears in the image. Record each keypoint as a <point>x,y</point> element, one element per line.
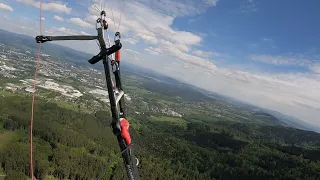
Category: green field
<point>2,177</point>
<point>7,94</point>
<point>66,105</point>
<point>136,90</point>
<point>165,102</point>
<point>171,120</point>
<point>6,137</point>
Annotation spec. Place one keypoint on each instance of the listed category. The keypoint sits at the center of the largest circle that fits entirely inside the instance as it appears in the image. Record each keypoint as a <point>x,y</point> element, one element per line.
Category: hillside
<point>168,147</point>
<point>179,131</point>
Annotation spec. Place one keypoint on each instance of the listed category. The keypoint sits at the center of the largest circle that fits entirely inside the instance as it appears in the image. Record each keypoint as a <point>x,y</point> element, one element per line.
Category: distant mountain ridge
<point>293,122</point>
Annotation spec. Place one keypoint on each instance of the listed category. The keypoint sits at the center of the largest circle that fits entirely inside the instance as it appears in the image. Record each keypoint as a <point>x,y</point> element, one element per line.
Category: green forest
<point>69,144</point>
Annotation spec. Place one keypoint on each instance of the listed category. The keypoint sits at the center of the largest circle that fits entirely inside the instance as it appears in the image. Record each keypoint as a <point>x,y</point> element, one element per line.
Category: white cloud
<point>64,31</point>
<point>132,51</point>
<point>43,18</point>
<point>183,37</point>
<point>147,23</point>
<point>84,33</point>
<point>315,68</point>
<point>148,38</point>
<point>55,7</point>
<point>247,7</point>
<point>153,51</point>
<point>170,49</point>
<point>79,22</point>
<point>202,53</point>
<point>281,60</point>
<point>133,54</point>
<point>183,48</point>
<point>310,62</point>
<point>58,7</point>
<point>150,24</point>
<point>130,40</point>
<point>267,39</point>
<point>5,7</point>
<point>180,8</point>
<point>269,59</point>
<point>58,18</point>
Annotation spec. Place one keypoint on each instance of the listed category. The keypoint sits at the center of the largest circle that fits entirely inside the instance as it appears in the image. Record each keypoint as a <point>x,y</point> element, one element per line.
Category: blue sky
<point>261,27</point>
<point>263,52</point>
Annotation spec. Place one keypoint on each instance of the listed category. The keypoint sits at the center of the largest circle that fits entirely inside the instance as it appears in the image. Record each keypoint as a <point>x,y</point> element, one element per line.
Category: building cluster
<point>56,76</point>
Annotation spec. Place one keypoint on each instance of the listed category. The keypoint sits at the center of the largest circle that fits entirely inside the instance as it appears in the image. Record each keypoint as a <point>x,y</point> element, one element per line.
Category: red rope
<point>33,95</point>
